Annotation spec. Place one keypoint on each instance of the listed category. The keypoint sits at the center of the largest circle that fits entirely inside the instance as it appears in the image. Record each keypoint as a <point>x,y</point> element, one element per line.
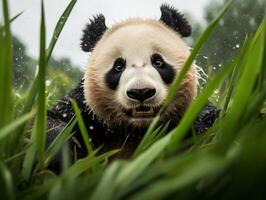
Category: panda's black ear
<point>93,32</point>
<point>171,17</point>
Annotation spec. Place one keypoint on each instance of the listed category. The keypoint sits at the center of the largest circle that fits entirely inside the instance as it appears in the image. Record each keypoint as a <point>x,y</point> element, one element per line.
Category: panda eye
<point>157,60</point>
<point>119,64</point>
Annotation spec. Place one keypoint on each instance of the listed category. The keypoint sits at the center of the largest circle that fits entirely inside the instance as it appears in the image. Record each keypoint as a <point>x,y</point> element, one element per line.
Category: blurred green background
<point>62,75</point>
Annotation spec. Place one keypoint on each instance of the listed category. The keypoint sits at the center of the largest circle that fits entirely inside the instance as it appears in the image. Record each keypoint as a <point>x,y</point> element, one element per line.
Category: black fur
<point>167,73</point>
<point>103,135</point>
<point>112,79</point>
<point>113,76</point>
<point>165,70</point>
<point>93,33</point>
<point>171,17</point>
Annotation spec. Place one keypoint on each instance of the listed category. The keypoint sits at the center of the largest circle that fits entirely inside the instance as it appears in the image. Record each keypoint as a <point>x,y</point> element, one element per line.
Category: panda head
<point>132,66</point>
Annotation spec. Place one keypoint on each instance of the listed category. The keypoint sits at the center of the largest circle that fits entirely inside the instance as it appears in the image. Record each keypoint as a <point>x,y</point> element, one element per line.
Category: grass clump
<point>227,162</point>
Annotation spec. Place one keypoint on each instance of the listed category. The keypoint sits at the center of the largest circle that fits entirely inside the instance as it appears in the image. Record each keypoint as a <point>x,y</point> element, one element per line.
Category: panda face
<point>131,70</point>
<point>141,87</point>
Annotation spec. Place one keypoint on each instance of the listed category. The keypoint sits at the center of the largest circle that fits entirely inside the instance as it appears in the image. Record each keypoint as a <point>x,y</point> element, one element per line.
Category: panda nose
<point>141,94</point>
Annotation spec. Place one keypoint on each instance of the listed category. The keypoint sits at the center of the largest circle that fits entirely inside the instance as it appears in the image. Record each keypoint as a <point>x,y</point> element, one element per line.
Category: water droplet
<point>48,83</point>
<point>237,45</point>
<point>252,21</point>
<point>64,115</point>
<point>18,95</point>
<point>216,91</point>
<point>91,127</point>
<point>205,57</point>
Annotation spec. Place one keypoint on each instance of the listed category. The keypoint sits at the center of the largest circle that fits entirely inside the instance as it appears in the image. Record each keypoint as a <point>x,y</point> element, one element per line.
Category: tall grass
<point>227,162</point>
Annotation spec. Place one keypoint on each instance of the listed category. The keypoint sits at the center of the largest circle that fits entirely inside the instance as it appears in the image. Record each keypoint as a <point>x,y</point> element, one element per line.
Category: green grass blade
<point>106,183</point>
<point>159,169</point>
<point>87,163</point>
<point>82,128</point>
<point>136,167</point>
<point>151,138</point>
<point>28,162</point>
<point>60,140</point>
<point>163,131</point>
<point>66,160</point>
<point>15,156</point>
<point>30,99</point>
<point>7,189</point>
<point>39,130</point>
<point>15,17</point>
<point>236,73</point>
<point>148,138</point>
<point>59,27</point>
<point>40,127</point>
<point>8,129</point>
<point>255,106</point>
<point>6,67</point>
<point>130,171</point>
<point>163,188</point>
<point>194,109</point>
<point>244,90</point>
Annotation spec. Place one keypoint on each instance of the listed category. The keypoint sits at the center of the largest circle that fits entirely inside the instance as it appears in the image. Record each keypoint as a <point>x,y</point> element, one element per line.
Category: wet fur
<point>103,135</point>
<point>108,127</point>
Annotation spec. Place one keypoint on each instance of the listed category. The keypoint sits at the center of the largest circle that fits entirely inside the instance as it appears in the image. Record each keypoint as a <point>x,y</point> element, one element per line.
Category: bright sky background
<point>26,27</point>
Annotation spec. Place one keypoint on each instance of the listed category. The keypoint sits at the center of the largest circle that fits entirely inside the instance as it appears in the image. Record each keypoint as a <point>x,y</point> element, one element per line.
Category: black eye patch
<point>113,76</point>
<point>165,70</point>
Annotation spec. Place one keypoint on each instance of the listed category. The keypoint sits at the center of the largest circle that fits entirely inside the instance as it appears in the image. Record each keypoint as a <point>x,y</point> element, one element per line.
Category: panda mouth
<point>142,111</point>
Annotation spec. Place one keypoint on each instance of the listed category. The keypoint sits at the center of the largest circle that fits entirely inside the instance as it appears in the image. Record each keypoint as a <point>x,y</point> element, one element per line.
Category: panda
<point>131,68</point>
